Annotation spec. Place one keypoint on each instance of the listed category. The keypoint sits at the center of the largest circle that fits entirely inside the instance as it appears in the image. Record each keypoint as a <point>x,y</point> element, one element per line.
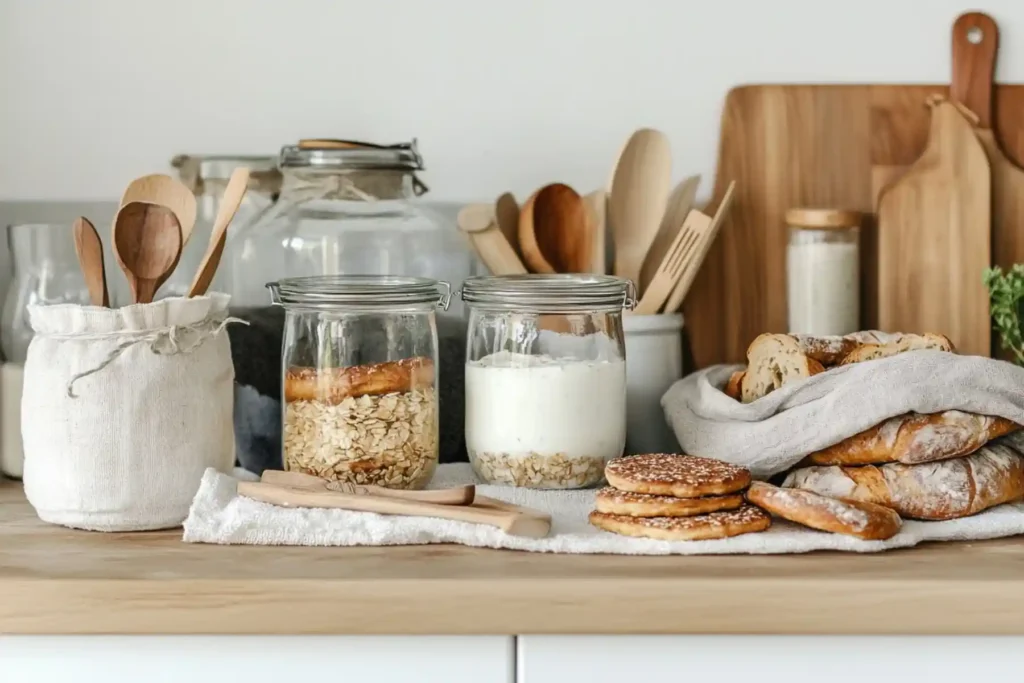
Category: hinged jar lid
<point>351,155</point>
<point>550,293</point>
<point>359,291</point>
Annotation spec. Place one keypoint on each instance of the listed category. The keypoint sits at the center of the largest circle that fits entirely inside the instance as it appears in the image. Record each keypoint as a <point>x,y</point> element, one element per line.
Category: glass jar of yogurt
<point>545,377</point>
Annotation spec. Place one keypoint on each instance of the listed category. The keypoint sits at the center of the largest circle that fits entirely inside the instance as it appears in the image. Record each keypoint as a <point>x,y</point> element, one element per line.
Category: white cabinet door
<point>256,659</point>
<point>768,659</point>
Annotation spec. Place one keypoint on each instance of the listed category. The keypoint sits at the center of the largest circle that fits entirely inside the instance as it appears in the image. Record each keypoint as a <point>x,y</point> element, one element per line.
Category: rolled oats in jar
<point>360,378</point>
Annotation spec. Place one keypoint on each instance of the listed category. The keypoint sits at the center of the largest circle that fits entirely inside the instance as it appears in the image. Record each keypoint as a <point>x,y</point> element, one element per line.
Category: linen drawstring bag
<point>124,409</point>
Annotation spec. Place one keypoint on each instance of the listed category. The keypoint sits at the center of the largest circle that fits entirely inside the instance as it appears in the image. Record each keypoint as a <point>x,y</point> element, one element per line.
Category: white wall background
<point>502,94</point>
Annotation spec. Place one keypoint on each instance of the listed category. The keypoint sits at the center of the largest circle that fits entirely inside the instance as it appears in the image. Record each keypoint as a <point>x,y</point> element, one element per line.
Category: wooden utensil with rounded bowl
<point>90,259</point>
<point>147,244</point>
<point>555,231</point>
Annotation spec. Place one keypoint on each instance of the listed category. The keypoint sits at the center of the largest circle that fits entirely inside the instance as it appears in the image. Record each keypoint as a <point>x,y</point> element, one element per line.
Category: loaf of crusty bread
<point>915,438</point>
<point>772,361</point>
<point>932,491</point>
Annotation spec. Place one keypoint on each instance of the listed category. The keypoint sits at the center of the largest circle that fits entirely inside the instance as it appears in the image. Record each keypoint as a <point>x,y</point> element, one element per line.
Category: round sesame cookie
<point>615,502</point>
<point>682,476</point>
<point>744,520</point>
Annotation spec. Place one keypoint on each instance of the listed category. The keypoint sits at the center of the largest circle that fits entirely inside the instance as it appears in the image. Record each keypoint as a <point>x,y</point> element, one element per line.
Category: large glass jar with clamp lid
<point>545,377</point>
<point>360,377</point>
<point>346,208</point>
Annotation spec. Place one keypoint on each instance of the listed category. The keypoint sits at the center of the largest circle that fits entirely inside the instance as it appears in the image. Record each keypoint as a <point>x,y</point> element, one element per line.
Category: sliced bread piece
<point>774,360</point>
<point>900,344</point>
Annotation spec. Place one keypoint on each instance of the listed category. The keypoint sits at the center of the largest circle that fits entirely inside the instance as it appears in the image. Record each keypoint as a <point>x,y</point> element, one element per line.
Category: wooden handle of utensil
<point>459,495</point>
<point>975,44</point>
<point>509,521</point>
<point>90,259</point>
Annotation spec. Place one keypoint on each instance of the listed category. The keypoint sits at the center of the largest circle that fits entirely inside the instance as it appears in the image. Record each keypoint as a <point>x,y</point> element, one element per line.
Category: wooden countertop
<point>56,581</point>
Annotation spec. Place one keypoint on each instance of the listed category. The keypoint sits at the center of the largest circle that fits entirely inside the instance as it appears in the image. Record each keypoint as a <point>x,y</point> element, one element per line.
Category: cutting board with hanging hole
<point>819,146</point>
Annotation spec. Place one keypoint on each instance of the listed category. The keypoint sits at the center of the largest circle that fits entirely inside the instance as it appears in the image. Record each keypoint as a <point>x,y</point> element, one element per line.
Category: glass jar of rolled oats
<point>360,375</point>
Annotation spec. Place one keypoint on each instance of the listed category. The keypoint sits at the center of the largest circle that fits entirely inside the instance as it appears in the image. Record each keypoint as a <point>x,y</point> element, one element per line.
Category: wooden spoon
<point>555,231</point>
<point>165,191</point>
<point>147,244</point>
<point>90,259</point>
<point>229,203</point>
<point>597,203</point>
<point>510,521</point>
<point>640,189</point>
<point>679,204</point>
<point>506,212</point>
<point>460,495</point>
<point>481,227</point>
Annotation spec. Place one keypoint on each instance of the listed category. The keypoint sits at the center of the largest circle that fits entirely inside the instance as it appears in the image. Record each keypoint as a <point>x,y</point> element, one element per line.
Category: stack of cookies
<point>676,498</point>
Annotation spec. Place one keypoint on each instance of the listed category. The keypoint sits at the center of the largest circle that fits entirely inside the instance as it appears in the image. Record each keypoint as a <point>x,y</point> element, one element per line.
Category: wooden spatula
<point>673,264</point>
<point>940,212</point>
<point>693,266</point>
<point>509,521</point>
<point>676,210</point>
<point>90,259</point>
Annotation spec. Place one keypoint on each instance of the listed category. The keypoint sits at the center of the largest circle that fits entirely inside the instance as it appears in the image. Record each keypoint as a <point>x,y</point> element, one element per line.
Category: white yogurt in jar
<point>525,405</point>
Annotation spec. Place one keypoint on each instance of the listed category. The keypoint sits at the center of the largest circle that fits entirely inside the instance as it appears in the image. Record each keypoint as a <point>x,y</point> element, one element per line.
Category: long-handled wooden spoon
<point>147,244</point>
<point>229,203</point>
<point>510,521</point>
<point>90,259</point>
<point>481,227</point>
<point>555,231</point>
<point>461,495</point>
<point>640,189</point>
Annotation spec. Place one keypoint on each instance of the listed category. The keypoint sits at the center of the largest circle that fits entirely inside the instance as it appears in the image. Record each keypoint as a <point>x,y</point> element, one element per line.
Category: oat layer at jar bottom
<point>367,424</point>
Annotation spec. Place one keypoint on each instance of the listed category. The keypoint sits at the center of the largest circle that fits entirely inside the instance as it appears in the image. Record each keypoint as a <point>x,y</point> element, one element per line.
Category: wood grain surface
<point>934,227</point>
<point>59,581</point>
<point>819,146</point>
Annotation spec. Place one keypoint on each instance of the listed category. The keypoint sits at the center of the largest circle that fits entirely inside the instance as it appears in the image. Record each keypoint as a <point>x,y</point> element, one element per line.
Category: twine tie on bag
<point>167,341</point>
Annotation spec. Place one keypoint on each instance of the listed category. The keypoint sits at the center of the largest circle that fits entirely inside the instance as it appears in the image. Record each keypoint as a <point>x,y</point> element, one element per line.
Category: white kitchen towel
<point>774,433</point>
<point>219,515</point>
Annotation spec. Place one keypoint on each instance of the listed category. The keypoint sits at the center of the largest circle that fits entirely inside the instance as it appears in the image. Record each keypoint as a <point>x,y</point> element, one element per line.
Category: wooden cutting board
<point>811,145</point>
<point>934,226</point>
<point>975,50</point>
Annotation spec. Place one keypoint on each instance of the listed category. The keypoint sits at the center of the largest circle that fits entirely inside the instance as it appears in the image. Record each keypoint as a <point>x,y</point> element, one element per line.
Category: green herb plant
<point>1006,299</point>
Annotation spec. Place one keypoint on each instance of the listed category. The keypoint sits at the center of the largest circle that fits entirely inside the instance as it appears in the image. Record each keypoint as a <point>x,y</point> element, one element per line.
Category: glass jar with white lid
<point>359,381</point>
<point>823,271</point>
<point>545,377</point>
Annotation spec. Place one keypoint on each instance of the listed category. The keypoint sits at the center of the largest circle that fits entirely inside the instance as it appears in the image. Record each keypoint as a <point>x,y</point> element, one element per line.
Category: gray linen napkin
<point>773,433</point>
